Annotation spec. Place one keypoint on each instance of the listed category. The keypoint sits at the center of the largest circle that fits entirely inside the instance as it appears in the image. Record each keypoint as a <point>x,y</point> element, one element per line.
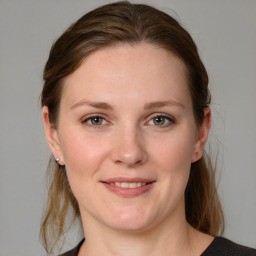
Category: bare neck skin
<point>174,236</point>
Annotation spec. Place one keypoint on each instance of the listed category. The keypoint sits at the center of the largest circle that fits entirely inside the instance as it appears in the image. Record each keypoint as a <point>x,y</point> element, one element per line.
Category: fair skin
<point>127,136</point>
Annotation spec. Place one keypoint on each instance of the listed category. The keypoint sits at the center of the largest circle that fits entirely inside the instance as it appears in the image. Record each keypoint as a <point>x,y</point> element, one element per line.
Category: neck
<point>174,236</point>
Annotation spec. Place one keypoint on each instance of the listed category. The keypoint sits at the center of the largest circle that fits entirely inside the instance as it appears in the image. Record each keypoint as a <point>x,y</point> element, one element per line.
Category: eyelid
<point>170,118</point>
<point>85,119</point>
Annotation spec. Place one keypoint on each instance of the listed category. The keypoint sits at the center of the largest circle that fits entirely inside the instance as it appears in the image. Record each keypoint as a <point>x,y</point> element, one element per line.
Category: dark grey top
<point>220,246</point>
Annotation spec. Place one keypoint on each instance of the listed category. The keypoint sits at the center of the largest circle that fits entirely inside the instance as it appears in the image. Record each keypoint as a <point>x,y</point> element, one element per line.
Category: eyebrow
<point>160,104</point>
<point>148,106</point>
<point>99,105</point>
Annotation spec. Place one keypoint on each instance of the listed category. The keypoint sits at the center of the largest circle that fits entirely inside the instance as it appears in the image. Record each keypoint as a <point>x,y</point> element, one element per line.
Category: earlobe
<point>202,136</point>
<point>52,136</point>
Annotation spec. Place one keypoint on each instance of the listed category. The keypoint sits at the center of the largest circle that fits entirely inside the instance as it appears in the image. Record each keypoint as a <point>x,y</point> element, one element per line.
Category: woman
<point>126,113</point>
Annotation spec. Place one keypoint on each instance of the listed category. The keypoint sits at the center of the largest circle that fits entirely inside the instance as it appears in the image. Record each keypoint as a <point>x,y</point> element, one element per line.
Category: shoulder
<point>74,251</point>
<point>224,247</point>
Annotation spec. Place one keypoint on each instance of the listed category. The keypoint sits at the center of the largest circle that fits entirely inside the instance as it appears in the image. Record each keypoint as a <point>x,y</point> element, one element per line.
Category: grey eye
<point>161,120</point>
<point>95,121</point>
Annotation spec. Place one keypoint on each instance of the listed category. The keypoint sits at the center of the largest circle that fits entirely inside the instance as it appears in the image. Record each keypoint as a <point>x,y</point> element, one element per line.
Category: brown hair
<point>117,23</point>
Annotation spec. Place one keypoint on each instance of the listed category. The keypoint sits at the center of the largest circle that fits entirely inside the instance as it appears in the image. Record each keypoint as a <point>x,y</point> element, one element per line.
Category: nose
<point>129,148</point>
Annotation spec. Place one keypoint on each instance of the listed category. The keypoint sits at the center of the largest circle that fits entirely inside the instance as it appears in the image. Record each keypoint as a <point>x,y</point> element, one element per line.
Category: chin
<point>129,226</point>
<point>129,221</point>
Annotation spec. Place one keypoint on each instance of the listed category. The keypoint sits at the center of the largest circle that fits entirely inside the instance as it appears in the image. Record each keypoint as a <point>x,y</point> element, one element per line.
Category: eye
<point>161,120</point>
<point>95,121</point>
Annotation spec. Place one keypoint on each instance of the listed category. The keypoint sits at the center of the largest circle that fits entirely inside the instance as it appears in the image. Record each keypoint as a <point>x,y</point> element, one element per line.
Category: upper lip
<point>128,180</point>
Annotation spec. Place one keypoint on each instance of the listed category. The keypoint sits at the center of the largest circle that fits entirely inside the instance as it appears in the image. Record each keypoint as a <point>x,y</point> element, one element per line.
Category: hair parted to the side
<point>126,23</point>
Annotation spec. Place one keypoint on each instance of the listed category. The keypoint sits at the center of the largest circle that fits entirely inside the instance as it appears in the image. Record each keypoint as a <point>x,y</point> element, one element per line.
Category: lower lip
<point>129,192</point>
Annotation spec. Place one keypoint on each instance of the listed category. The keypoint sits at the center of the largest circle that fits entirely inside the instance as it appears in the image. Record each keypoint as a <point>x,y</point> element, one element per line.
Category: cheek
<point>82,154</point>
<point>83,160</point>
<point>173,155</point>
<point>175,162</point>
<point>175,150</point>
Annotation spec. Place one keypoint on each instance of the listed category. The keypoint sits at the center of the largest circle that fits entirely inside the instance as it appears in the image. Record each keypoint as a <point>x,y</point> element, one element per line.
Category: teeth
<point>128,185</point>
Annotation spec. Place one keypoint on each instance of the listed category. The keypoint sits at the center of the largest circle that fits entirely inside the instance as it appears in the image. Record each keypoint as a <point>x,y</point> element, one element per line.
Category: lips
<point>128,187</point>
<point>128,184</point>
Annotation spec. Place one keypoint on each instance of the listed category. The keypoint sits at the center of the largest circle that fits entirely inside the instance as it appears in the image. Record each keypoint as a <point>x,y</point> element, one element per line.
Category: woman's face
<point>127,136</point>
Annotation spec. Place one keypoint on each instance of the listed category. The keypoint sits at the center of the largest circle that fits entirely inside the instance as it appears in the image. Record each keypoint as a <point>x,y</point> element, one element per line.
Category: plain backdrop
<point>225,32</point>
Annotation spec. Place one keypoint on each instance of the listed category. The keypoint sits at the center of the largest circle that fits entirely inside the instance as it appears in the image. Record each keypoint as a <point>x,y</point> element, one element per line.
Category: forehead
<point>124,71</point>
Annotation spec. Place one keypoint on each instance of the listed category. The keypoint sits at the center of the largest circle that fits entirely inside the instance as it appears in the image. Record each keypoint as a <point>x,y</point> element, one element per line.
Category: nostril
<point>118,161</point>
<point>131,163</point>
<point>128,152</point>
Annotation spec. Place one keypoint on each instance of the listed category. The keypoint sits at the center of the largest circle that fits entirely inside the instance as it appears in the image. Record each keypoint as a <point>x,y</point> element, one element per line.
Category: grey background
<point>225,32</point>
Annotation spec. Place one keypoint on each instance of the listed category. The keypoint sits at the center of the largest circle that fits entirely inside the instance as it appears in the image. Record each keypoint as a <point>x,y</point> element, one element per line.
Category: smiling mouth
<point>127,187</point>
<point>128,184</point>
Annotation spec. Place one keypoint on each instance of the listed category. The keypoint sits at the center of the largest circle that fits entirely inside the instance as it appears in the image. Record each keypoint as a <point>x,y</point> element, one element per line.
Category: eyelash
<point>90,118</point>
<point>167,118</point>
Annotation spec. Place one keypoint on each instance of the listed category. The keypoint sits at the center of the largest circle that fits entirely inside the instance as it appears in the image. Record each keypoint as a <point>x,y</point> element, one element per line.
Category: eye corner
<point>95,121</point>
<point>160,120</point>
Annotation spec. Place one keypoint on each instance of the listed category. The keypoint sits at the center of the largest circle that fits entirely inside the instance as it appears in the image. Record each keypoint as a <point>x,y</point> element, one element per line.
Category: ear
<point>52,136</point>
<point>202,135</point>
